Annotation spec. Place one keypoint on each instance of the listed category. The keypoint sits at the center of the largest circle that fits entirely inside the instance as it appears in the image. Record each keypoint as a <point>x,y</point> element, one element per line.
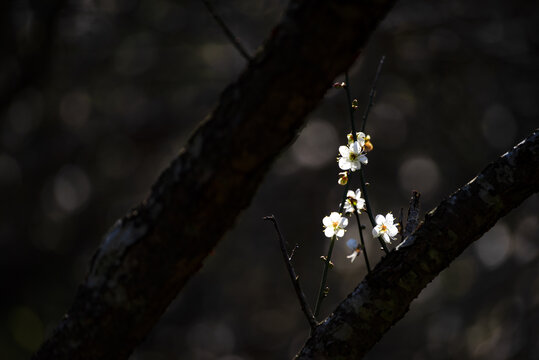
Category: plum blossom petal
<point>353,255</point>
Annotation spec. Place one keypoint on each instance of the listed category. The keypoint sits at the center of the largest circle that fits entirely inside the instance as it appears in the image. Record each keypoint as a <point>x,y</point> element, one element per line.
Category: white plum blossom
<point>353,245</point>
<point>353,200</point>
<point>334,225</point>
<point>360,136</point>
<point>352,156</point>
<point>385,227</point>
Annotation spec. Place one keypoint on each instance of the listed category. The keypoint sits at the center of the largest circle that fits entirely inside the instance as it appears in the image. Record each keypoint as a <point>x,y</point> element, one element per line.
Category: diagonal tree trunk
<point>147,256</point>
<point>385,295</point>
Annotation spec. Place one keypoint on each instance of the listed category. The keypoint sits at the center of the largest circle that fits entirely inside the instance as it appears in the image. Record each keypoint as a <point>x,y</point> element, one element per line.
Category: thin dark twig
<point>356,213</point>
<point>369,211</point>
<point>372,94</point>
<point>229,34</point>
<point>322,292</point>
<point>351,109</point>
<point>293,251</point>
<point>295,279</point>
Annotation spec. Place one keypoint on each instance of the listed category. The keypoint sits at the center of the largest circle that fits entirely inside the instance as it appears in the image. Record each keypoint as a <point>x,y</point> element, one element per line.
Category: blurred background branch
<point>226,30</point>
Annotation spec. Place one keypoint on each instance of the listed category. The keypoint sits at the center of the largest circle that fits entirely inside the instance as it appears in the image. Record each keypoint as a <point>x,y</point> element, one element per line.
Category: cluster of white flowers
<point>352,156</point>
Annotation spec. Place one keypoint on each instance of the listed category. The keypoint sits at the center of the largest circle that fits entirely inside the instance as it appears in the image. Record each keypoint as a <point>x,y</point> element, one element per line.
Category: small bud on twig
<point>343,178</point>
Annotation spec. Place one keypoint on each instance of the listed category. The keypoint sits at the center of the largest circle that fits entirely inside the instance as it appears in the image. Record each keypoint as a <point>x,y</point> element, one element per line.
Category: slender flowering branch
<point>350,107</point>
<point>229,34</point>
<point>368,208</point>
<point>354,136</point>
<point>351,158</point>
<point>293,277</point>
<point>356,213</point>
<point>323,291</point>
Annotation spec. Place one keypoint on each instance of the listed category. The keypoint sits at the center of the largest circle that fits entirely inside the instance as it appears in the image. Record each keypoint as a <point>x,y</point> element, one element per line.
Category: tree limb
<point>385,295</point>
<point>147,256</point>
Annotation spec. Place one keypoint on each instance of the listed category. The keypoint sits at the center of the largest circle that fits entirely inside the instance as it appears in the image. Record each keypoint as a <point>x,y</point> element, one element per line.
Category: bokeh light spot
<point>421,174</point>
<point>317,144</point>
<point>443,40</point>
<point>71,188</point>
<point>391,127</point>
<point>135,55</point>
<point>26,328</point>
<point>526,248</point>
<point>499,127</point>
<point>10,171</point>
<point>214,338</point>
<point>75,108</point>
<point>493,248</point>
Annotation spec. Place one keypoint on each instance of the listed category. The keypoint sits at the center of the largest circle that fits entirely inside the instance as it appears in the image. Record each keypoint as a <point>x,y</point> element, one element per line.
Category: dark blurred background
<point>97,97</point>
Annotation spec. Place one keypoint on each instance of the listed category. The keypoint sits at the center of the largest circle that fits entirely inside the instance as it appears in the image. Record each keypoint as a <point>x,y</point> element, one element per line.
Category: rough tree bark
<point>148,255</point>
<point>385,295</point>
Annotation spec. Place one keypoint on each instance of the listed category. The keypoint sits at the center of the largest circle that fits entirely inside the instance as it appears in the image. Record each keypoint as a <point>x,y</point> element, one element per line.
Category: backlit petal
<point>344,151</point>
<point>344,164</point>
<point>326,221</point>
<point>363,159</point>
<point>329,232</point>
<point>335,216</point>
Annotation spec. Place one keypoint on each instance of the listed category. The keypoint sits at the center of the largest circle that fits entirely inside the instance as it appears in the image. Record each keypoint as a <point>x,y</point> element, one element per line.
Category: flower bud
<point>368,144</point>
<point>343,178</point>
